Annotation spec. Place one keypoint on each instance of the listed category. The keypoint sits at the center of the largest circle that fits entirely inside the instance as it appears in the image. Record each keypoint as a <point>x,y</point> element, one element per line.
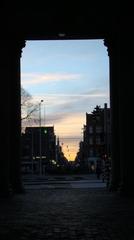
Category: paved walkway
<point>64,214</point>
<point>67,181</point>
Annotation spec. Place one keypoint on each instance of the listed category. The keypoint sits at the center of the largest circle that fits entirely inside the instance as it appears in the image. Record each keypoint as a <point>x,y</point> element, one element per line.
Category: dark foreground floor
<point>67,214</point>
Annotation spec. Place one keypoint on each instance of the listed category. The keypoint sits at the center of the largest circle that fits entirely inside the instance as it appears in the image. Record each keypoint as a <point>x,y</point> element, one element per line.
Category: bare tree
<point>28,107</point>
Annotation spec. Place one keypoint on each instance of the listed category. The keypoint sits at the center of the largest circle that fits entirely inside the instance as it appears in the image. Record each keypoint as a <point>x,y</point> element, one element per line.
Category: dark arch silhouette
<point>20,22</point>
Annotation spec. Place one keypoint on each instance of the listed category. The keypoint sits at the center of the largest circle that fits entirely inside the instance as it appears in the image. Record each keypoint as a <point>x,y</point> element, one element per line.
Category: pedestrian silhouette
<point>98,170</point>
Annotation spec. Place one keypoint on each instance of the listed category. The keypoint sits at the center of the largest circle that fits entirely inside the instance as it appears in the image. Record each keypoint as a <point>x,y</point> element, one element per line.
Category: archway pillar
<point>10,98</point>
<point>121,52</point>
<point>5,122</point>
<point>113,53</point>
<point>126,94</point>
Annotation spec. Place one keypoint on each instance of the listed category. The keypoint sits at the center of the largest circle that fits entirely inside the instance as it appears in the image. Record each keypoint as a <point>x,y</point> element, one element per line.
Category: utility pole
<point>40,138</point>
<point>32,140</point>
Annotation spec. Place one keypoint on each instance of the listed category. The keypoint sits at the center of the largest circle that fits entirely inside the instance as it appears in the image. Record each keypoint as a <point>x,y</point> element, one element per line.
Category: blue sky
<point>72,77</point>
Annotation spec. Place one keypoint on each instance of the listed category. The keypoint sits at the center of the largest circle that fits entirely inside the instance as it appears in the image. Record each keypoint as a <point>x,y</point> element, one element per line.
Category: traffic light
<point>45,131</point>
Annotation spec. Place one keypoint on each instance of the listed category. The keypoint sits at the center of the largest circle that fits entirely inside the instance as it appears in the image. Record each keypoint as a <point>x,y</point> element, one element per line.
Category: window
<point>91,129</point>
<point>91,152</point>
<point>98,129</point>
<point>90,140</point>
<point>98,140</point>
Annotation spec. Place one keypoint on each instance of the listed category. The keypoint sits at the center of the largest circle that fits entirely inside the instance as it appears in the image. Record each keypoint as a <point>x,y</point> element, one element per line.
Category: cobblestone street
<point>67,214</point>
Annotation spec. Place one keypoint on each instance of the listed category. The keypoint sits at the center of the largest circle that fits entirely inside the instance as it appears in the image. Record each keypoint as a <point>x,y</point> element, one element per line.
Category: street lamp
<point>40,141</point>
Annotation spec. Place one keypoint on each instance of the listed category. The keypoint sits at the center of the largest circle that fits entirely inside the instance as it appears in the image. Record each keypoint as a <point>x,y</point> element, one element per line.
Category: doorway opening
<point>65,106</point>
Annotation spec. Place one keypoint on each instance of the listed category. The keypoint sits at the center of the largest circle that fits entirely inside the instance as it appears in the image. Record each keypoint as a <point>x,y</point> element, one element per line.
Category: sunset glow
<point>71,77</point>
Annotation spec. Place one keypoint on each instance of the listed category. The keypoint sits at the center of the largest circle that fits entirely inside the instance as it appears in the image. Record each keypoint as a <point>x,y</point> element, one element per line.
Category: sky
<point>71,77</point>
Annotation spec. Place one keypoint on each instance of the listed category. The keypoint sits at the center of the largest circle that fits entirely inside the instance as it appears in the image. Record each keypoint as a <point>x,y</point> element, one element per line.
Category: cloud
<point>67,100</point>
<point>57,108</point>
<point>70,125</point>
<point>55,103</point>
<point>35,78</point>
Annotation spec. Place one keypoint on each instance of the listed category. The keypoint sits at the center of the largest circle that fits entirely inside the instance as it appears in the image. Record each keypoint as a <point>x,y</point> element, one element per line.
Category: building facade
<point>96,143</point>
<point>38,147</point>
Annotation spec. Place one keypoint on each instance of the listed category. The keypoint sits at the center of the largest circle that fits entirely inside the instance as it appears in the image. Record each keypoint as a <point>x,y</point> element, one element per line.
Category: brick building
<point>96,144</point>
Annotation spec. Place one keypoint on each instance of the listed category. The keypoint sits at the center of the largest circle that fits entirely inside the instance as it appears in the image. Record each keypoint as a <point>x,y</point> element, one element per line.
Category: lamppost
<point>32,150</point>
<point>40,140</point>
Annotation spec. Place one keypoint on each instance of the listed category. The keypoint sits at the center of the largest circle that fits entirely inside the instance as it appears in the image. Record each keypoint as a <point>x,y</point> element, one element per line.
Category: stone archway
<point>42,24</point>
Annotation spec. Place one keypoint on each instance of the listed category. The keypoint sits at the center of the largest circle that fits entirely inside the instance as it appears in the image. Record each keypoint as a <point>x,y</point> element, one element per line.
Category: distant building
<point>96,143</point>
<point>60,157</point>
<point>38,143</point>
